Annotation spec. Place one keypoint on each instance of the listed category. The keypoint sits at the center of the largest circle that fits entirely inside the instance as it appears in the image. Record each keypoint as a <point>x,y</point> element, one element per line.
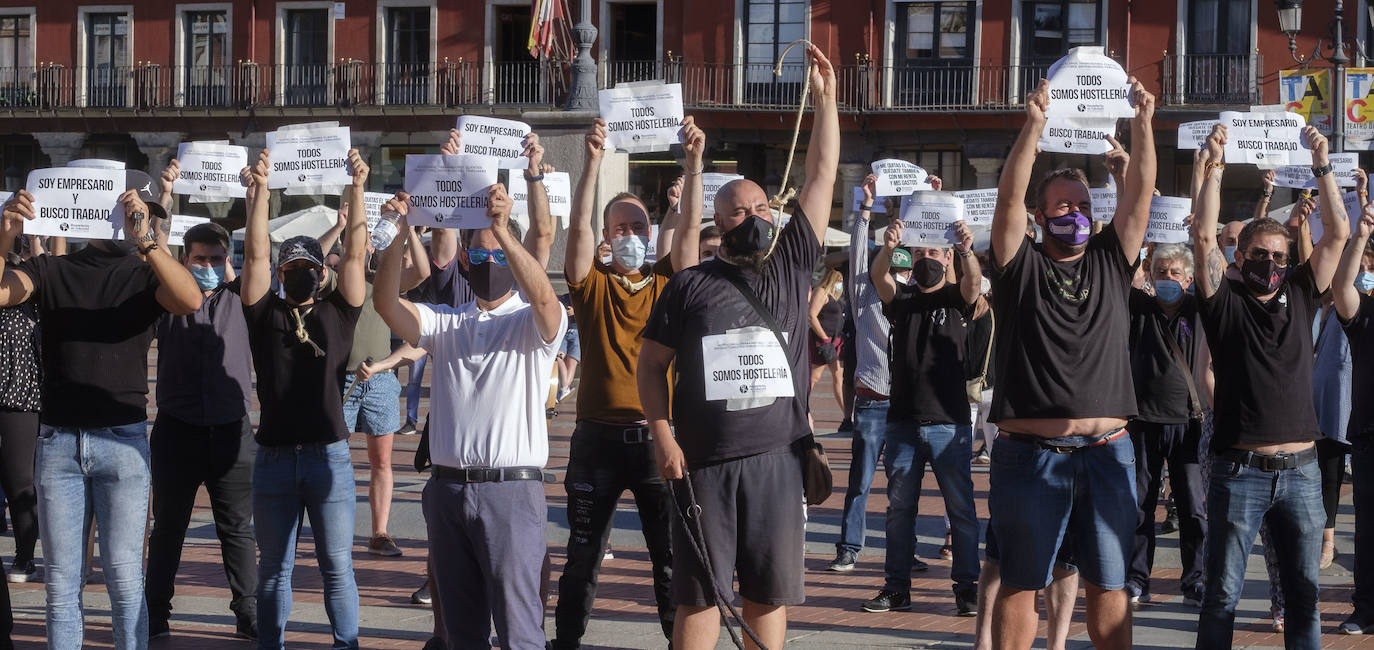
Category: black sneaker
<point>966,599</point>
<point>421,595</point>
<point>889,601</point>
<point>846,426</point>
<point>917,564</point>
<point>843,562</point>
<point>407,430</point>
<point>434,643</point>
<point>247,627</point>
<point>158,628</point>
<point>1170,523</point>
<point>23,570</point>
<point>1192,596</point>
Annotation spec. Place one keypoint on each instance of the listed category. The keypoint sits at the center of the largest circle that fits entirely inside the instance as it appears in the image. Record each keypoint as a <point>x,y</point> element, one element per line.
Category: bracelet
<point>151,247</point>
<point>964,253</point>
<point>694,173</point>
<point>1267,193</point>
<point>867,207</point>
<point>1321,171</point>
<point>1362,193</point>
<point>1214,165</point>
<point>533,179</point>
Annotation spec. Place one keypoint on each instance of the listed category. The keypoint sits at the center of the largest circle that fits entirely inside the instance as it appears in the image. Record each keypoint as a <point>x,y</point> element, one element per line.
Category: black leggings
<point>18,436</point>
<point>1331,462</point>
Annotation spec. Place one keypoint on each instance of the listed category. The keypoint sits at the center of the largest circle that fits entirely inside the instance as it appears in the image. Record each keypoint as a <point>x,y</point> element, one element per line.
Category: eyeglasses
<point>481,255</point>
<point>1260,254</point>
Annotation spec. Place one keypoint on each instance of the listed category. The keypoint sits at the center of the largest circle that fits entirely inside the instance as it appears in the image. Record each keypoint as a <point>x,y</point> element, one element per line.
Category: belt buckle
<point>1062,449</point>
<point>634,435</point>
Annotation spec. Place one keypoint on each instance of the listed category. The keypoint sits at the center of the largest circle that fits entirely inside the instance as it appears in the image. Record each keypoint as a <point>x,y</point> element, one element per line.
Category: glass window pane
<point>761,33</point>
<point>760,13</point>
<point>1048,21</point>
<point>791,32</point>
<point>792,13</point>
<point>762,54</point>
<point>953,45</point>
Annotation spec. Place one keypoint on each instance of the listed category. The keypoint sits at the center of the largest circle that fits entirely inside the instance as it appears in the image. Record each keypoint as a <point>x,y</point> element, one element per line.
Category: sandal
<point>1328,554</point>
<point>946,552</point>
<point>1277,613</point>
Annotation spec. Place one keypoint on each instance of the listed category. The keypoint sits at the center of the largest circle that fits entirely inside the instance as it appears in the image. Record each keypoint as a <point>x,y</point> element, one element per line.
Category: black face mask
<point>300,284</point>
<point>927,272</point>
<point>490,281</point>
<point>1262,276</point>
<point>123,246</point>
<point>751,236</point>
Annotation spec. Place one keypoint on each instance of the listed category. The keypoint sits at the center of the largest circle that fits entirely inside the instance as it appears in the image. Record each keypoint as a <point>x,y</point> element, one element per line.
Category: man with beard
<point>740,407</point>
<point>98,306</point>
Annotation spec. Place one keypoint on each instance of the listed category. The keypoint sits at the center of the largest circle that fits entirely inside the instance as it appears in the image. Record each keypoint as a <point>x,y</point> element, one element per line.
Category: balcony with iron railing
<point>348,84</point>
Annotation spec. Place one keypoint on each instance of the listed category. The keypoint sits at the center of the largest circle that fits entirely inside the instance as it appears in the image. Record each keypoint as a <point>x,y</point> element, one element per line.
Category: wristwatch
<point>533,179</point>
<point>1267,193</point>
<point>1321,171</point>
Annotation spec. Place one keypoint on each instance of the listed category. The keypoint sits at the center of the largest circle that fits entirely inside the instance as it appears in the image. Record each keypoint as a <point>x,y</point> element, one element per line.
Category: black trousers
<point>18,437</point>
<point>1362,465</point>
<point>1177,445</point>
<point>600,469</point>
<point>184,457</point>
<point>1331,462</point>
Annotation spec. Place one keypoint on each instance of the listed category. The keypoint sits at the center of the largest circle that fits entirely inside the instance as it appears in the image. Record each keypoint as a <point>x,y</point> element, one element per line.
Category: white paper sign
<point>979,205</point>
<point>372,203</point>
<point>1193,135</point>
<point>710,186</point>
<point>1086,135</point>
<point>1104,203</point>
<point>557,185</point>
<point>1300,176</point>
<point>1086,83</point>
<point>1269,140</point>
<point>745,363</point>
<point>76,202</point>
<point>898,177</point>
<point>878,206</point>
<point>210,170</point>
<point>642,116</point>
<point>651,254</point>
<point>1353,209</point>
<point>180,224</point>
<point>503,140</point>
<point>96,163</point>
<point>309,157</point>
<point>928,218</point>
<point>449,191</point>
<point>1168,220</point>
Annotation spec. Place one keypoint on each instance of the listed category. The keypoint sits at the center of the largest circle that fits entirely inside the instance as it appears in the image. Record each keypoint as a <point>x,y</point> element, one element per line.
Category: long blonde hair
<point>830,283</point>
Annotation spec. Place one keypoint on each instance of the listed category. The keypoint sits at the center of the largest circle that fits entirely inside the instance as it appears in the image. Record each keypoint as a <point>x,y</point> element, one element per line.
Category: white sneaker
<point>563,393</point>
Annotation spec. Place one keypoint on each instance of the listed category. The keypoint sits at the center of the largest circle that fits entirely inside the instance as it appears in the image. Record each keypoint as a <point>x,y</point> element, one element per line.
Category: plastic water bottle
<point>385,230</point>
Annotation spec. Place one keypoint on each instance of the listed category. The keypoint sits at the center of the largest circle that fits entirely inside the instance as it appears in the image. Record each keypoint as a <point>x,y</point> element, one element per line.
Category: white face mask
<point>628,251</point>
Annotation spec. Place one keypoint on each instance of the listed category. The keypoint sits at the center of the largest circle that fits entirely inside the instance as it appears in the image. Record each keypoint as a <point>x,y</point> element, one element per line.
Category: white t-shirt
<point>490,383</point>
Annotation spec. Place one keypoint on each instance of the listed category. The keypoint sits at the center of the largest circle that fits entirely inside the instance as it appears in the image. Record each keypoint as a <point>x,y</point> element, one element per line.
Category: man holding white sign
<point>1065,348</point>
<point>92,456</point>
<point>739,404</point>
<point>642,116</point>
<point>489,137</point>
<point>929,218</point>
<point>309,157</point>
<point>898,177</point>
<point>210,170</point>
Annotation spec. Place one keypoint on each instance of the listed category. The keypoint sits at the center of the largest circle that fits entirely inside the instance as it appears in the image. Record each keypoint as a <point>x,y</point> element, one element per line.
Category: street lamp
<point>1290,23</point>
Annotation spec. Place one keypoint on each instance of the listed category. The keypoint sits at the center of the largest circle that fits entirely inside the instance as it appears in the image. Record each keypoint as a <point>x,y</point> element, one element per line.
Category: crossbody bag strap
<point>1194,404</point>
<point>992,332</point>
<point>759,308</point>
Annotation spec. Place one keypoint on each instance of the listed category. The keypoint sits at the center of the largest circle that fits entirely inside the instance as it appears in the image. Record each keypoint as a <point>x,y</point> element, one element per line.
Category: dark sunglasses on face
<point>1260,254</point>
<point>481,255</point>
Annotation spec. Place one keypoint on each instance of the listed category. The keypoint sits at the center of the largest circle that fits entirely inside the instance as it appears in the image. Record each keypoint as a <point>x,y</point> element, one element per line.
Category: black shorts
<point>751,514</point>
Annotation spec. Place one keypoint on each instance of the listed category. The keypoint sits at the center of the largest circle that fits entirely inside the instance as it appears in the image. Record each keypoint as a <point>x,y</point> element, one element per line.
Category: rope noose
<point>786,193</point>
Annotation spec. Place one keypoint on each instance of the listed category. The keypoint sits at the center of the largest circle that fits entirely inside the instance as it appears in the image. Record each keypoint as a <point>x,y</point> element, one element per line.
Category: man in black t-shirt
<point>1168,358</point>
<point>98,307</point>
<point>301,343</point>
<point>1356,311</point>
<point>1065,381</point>
<point>740,397</point>
<point>1258,313</point>
<point>929,419</point>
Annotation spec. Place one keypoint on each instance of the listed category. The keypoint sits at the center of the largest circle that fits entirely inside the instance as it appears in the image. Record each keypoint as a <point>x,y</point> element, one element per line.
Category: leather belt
<point>488,474</point>
<point>1062,447</point>
<point>1271,462</point>
<point>628,434</point>
<point>870,393</point>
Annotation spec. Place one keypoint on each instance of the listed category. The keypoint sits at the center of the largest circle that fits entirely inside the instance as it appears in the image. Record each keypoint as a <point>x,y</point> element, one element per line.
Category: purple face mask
<point>1073,228</point>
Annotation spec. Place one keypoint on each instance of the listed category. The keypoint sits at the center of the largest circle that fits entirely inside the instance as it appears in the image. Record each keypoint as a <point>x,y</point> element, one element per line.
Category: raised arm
<point>15,286</point>
<point>882,263</point>
<point>1199,167</point>
<point>1209,266</point>
<point>331,236</point>
<point>532,279</point>
<point>668,225</point>
<point>539,239</point>
<point>1326,254</point>
<point>581,252</point>
<point>687,239</point>
<point>1009,217</point>
<point>353,266</point>
<point>257,250</point>
<point>1266,193</point>
<point>1300,228</point>
<point>163,227</point>
<point>971,284</point>
<point>651,377</point>
<point>176,290</point>
<point>1133,204</point>
<point>399,314</point>
<point>414,267</point>
<point>443,242</point>
<point>1343,284</point>
<point>823,154</point>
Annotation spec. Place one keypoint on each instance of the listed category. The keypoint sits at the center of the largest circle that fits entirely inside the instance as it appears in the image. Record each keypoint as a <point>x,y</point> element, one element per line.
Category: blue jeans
<point>947,448</point>
<point>1290,502</point>
<point>870,429</point>
<point>417,377</point>
<point>102,472</point>
<point>289,481</point>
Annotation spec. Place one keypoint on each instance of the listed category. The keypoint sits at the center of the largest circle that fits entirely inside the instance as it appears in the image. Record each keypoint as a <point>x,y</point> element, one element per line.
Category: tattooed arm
<point>1209,264</point>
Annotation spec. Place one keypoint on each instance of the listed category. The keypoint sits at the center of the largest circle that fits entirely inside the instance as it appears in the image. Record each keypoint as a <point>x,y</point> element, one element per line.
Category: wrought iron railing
<point>1212,79</point>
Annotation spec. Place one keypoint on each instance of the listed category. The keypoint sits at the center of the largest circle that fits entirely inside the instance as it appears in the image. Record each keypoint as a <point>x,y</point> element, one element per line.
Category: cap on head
<point>301,247</point>
<point>901,258</point>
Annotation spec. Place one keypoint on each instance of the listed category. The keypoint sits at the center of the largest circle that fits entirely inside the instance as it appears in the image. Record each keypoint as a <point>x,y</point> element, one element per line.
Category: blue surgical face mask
<point>1230,253</point>
<point>1168,291</point>
<point>1364,281</point>
<point>207,277</point>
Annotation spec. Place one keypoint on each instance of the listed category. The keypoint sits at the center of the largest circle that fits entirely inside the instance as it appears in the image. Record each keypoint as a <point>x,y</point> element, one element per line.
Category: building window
<point>1056,26</point>
<point>207,58</point>
<point>634,46</point>
<point>769,26</point>
<point>107,59</point>
<point>307,57</point>
<point>407,51</point>
<point>948,165</point>
<point>934,53</point>
<point>16,62</point>
<point>1217,67</point>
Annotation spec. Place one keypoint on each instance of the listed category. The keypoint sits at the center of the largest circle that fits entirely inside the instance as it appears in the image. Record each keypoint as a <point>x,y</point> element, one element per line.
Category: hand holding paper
<point>17,210</point>
<point>454,145</point>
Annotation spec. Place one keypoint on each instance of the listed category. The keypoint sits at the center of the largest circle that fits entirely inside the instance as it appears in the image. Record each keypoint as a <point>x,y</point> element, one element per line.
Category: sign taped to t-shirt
<point>745,363</point>
<point>1087,83</point>
<point>642,116</point>
<point>449,191</point>
<point>309,157</point>
<point>1300,176</point>
<point>979,206</point>
<point>76,202</point>
<point>502,140</point>
<point>1168,220</point>
<point>1085,135</point>
<point>210,170</point>
<point>898,177</point>
<point>1268,140</point>
<point>180,224</point>
<point>928,218</point>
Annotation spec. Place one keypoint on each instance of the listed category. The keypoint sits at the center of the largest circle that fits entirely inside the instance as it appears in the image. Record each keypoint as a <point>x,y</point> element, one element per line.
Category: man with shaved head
<point>611,446</point>
<point>740,395</point>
